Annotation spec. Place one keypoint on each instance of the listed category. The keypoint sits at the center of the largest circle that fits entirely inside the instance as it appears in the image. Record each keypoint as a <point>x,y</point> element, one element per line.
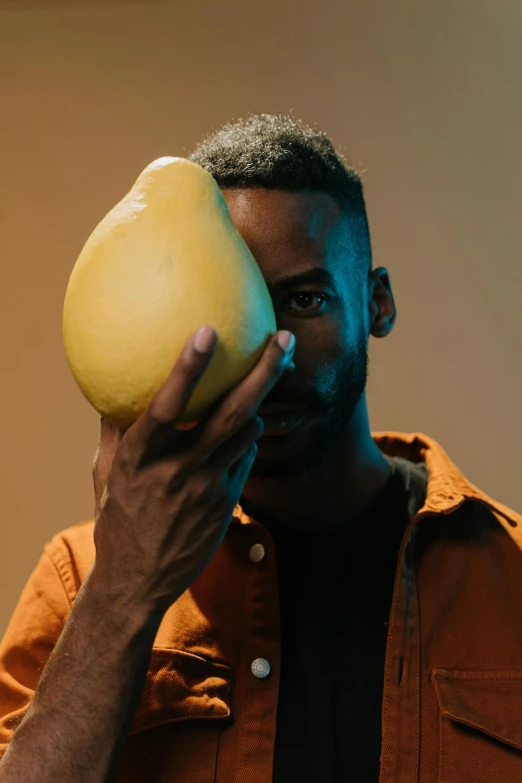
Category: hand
<point>110,436</point>
<point>164,497</point>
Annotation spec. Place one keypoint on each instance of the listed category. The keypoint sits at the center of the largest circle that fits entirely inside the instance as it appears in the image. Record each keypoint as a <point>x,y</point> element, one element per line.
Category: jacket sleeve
<point>33,630</point>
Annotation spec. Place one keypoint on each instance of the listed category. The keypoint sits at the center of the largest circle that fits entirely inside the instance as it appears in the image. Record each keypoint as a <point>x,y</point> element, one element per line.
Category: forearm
<point>86,697</point>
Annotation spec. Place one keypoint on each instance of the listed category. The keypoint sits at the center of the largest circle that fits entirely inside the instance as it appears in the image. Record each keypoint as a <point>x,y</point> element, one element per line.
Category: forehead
<point>281,227</point>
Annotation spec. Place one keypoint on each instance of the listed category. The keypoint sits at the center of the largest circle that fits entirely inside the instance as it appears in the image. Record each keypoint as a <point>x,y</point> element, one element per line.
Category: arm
<point>168,501</point>
<point>86,696</point>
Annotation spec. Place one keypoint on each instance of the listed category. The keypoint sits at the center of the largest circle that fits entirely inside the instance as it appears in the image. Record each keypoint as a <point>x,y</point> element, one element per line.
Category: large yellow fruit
<point>164,261</point>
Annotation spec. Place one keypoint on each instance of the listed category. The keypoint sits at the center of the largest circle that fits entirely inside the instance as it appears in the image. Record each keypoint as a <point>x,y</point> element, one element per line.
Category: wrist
<point>120,610</point>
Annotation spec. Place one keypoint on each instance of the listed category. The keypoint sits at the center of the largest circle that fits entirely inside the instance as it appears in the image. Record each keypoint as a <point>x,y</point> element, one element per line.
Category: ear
<point>383,313</point>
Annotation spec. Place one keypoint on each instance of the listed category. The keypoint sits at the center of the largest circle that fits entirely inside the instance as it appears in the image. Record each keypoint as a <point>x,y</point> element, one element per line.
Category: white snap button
<point>260,668</point>
<point>257,553</point>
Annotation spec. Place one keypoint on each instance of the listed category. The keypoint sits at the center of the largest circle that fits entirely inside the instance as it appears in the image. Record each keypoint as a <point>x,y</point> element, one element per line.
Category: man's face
<point>289,234</point>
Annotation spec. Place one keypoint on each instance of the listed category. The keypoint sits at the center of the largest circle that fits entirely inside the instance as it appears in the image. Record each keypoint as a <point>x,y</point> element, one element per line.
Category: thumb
<point>109,440</point>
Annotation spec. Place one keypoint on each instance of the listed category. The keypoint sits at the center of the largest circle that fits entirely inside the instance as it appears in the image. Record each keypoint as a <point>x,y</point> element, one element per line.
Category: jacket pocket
<point>174,735</point>
<point>480,725</point>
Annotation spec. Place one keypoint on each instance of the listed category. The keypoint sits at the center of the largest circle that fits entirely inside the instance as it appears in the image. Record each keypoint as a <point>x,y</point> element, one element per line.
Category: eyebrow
<point>314,275</point>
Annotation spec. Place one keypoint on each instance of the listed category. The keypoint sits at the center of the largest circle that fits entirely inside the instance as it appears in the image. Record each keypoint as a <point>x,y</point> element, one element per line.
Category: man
<point>358,619</point>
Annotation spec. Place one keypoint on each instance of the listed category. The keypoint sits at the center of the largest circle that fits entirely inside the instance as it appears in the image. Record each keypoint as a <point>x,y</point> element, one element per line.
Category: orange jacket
<point>452,704</point>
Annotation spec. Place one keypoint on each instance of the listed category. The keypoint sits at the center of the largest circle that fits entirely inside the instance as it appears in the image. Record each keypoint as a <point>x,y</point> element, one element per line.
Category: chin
<point>278,460</point>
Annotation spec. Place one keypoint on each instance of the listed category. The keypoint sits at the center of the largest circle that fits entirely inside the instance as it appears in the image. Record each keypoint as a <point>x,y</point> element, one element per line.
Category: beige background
<point>425,96</point>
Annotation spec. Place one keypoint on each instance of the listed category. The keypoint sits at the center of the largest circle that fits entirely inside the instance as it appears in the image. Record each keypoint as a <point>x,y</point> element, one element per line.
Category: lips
<point>279,420</point>
<point>279,408</point>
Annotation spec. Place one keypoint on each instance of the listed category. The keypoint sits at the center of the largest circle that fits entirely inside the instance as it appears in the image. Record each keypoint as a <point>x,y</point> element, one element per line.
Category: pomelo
<point>164,261</point>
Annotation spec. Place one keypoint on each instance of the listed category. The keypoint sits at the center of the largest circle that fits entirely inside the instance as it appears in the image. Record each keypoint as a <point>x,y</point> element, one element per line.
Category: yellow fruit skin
<point>164,261</point>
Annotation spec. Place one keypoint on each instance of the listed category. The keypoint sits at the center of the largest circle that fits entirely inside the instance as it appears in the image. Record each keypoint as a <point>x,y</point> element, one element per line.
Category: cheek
<point>317,360</point>
<point>325,372</point>
<point>323,337</point>
<point>318,355</point>
<point>323,344</point>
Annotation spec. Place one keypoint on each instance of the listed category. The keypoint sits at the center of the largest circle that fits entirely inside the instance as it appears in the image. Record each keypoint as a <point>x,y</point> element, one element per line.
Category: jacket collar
<point>447,488</point>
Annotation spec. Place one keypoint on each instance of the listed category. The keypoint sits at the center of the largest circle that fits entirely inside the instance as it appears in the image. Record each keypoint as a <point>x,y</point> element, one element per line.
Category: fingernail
<point>205,339</point>
<point>286,340</point>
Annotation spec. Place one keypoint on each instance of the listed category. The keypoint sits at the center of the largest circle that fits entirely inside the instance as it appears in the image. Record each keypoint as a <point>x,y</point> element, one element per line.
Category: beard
<point>304,448</point>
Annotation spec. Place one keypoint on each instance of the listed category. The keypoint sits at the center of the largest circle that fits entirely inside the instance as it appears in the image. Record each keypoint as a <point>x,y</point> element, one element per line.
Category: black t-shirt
<point>336,591</point>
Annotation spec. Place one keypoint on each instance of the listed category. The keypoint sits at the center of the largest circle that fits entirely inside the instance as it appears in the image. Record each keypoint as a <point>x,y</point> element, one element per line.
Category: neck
<point>329,494</point>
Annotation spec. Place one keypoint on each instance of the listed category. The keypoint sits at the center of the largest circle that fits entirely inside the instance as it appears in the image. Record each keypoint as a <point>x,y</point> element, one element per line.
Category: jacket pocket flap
<point>182,686</point>
<point>490,701</point>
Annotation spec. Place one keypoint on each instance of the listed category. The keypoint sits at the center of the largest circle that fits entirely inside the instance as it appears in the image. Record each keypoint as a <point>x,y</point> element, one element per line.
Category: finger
<point>223,458</point>
<point>110,436</point>
<point>240,470</point>
<point>171,400</point>
<point>242,402</point>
